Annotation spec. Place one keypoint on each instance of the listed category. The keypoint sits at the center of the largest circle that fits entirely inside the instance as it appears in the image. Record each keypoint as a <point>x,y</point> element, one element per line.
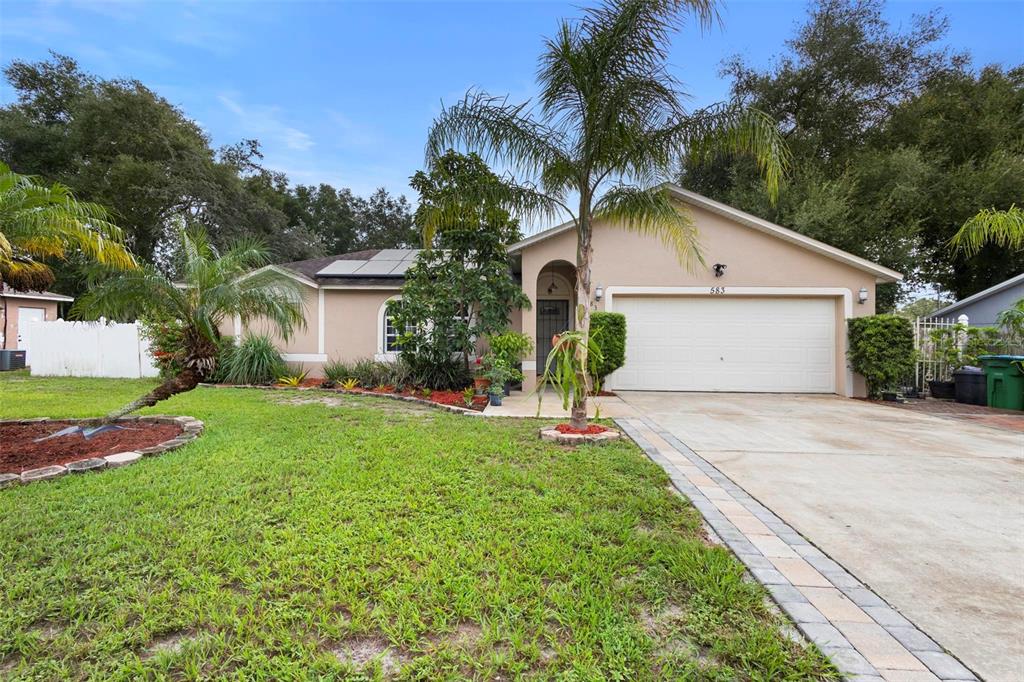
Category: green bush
<point>336,371</point>
<point>510,348</point>
<point>438,375</point>
<point>608,332</point>
<point>254,361</point>
<point>882,350</point>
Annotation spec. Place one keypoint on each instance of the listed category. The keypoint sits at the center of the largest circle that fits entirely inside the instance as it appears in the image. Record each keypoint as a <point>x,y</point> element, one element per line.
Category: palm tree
<point>607,127</point>
<point>214,287</point>
<point>38,222</point>
<point>989,226</point>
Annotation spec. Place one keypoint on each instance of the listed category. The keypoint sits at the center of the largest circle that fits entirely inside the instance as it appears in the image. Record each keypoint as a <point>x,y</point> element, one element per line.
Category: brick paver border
<point>866,638</point>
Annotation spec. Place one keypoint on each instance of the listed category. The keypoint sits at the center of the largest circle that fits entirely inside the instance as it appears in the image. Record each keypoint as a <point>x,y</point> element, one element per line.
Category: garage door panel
<point>725,344</point>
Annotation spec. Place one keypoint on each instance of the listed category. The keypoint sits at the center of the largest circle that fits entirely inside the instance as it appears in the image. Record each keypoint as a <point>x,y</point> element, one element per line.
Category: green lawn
<point>364,539</point>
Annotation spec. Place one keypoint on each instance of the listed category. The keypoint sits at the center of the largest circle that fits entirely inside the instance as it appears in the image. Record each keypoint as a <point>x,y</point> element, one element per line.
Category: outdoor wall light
<point>599,292</point>
<point>719,269</point>
<point>862,295</point>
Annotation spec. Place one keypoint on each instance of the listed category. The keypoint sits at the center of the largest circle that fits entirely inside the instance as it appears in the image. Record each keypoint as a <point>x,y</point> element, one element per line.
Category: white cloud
<point>266,123</point>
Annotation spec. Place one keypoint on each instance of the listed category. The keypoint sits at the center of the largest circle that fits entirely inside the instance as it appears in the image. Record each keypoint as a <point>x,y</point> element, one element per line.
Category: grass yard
<point>316,536</point>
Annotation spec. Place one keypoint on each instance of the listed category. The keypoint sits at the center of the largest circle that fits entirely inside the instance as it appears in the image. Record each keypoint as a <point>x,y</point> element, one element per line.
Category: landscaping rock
<point>152,450</point>
<point>84,465</point>
<point>7,480</point>
<point>556,436</point>
<point>43,473</point>
<point>122,459</point>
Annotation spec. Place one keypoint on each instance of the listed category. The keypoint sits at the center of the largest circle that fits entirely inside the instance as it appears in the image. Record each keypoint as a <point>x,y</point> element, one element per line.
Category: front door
<point>552,318</point>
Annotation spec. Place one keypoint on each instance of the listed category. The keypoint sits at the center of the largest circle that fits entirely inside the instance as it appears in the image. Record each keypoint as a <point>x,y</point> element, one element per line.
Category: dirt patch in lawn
<point>358,652</point>
<point>20,451</point>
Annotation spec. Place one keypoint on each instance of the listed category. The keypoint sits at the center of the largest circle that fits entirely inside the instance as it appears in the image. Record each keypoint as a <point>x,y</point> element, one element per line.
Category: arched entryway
<point>556,296</point>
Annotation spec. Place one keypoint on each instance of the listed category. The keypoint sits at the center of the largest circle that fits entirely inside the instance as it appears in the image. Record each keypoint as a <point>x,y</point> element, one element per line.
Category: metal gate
<point>929,366</point>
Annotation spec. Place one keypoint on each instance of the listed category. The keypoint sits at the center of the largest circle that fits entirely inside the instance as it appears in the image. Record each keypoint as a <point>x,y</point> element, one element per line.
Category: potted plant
<point>480,380</point>
<point>511,347</point>
<point>498,372</point>
<point>946,348</point>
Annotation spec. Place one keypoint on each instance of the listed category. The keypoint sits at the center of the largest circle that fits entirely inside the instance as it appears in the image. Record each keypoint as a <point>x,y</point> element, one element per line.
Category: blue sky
<point>344,93</point>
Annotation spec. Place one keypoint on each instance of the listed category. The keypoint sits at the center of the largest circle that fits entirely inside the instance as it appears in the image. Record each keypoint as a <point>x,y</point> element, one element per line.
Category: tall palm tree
<point>214,287</point>
<point>989,226</point>
<point>608,126</point>
<point>39,221</point>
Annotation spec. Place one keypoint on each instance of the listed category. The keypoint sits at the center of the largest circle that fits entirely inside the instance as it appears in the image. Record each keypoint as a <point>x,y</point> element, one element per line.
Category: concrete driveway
<point>927,511</point>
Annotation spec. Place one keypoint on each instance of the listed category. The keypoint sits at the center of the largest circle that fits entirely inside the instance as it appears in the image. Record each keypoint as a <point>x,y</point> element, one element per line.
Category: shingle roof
<point>309,268</point>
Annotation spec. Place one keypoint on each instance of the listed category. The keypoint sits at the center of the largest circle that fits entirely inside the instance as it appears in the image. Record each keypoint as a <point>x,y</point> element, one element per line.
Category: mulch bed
<point>19,452</point>
<point>440,397</point>
<point>589,431</point>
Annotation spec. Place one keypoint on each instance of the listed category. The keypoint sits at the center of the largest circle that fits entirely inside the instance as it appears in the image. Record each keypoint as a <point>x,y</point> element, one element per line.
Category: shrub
<point>294,377</point>
<point>882,350</point>
<point>510,348</point>
<point>607,332</point>
<point>438,375</point>
<point>254,361</point>
<point>336,371</point>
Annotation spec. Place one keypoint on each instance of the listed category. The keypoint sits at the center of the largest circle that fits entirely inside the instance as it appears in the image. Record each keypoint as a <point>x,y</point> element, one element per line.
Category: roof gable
<point>882,274</point>
<point>980,296</point>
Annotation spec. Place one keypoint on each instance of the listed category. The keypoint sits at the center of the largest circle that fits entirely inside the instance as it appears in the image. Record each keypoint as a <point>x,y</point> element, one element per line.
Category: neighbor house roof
<point>38,295</point>
<point>980,296</point>
<point>881,273</point>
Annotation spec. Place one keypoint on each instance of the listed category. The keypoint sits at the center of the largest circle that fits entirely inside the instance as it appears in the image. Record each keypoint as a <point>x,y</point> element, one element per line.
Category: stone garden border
<point>550,433</point>
<point>191,428</point>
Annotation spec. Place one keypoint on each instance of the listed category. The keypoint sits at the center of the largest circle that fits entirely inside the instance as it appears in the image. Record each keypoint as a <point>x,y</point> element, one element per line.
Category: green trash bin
<point>1005,380</point>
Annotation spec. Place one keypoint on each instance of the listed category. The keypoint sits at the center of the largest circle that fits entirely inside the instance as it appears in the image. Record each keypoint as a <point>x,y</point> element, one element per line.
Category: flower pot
<point>481,384</point>
<point>495,399</point>
<point>971,388</point>
<point>944,390</point>
<point>508,388</point>
<point>890,396</point>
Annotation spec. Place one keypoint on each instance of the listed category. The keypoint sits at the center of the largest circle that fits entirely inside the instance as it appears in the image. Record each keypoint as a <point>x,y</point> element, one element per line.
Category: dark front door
<point>552,318</point>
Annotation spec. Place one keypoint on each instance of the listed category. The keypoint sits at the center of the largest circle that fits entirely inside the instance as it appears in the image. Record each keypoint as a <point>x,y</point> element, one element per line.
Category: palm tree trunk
<point>584,252</point>
<point>184,381</point>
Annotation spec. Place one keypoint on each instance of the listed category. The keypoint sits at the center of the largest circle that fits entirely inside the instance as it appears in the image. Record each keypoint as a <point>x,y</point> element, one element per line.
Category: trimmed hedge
<point>608,331</point>
<point>882,350</point>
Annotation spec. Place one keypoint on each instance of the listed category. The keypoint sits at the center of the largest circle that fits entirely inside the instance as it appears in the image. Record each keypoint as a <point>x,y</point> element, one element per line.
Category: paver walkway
<point>864,636</point>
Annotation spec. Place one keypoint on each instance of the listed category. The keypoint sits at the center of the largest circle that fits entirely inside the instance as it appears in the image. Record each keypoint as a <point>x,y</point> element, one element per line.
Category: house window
<point>391,335</point>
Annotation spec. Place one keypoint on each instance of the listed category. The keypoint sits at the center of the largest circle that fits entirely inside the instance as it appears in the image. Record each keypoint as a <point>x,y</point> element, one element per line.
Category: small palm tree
<point>608,126</point>
<point>39,222</point>
<point>989,226</point>
<point>214,287</point>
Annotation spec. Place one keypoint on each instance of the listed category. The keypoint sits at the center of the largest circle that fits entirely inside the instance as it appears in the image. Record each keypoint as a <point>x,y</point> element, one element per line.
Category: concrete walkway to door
<point>928,512</point>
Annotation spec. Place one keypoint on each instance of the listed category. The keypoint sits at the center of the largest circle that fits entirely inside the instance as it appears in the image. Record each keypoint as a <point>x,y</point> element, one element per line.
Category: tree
<point>460,288</point>
<point>214,287</point>
<point>608,124</point>
<point>119,144</point>
<point>386,223</point>
<point>40,222</point>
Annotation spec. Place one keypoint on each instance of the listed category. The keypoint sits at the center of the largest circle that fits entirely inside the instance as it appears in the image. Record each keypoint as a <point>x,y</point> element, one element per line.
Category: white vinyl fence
<point>89,349</point>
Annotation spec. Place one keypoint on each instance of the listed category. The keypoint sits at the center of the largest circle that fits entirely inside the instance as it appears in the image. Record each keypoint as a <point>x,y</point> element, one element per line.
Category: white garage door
<point>709,343</point>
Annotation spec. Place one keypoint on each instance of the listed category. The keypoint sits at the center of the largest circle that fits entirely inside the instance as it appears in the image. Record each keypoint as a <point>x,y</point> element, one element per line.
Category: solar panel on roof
<point>342,267</point>
<point>372,267</point>
<point>390,254</point>
<point>401,267</point>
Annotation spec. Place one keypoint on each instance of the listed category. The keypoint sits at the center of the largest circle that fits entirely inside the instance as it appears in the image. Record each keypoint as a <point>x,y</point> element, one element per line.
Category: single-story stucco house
<point>984,307</point>
<point>767,314</point>
<point>18,308</point>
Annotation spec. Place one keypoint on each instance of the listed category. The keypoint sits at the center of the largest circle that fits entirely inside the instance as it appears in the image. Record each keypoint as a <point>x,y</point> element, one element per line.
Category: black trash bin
<point>970,386</point>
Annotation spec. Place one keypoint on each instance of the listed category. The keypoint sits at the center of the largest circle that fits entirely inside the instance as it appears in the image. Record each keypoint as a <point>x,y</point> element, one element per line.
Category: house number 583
<point>717,290</point>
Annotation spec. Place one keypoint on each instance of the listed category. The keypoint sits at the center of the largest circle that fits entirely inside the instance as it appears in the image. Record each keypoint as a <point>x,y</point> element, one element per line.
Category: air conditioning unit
<point>12,359</point>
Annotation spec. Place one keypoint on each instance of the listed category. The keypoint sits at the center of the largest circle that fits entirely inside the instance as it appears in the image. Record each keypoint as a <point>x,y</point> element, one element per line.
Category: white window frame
<point>382,317</point>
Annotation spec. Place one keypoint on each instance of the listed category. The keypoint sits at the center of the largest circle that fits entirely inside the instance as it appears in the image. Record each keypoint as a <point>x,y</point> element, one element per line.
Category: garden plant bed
<point>25,457</point>
<point>448,399</point>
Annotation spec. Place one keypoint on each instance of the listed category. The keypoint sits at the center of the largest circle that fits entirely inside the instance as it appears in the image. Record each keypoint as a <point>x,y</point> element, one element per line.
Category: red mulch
<point>589,431</point>
<point>452,398</point>
<point>19,452</point>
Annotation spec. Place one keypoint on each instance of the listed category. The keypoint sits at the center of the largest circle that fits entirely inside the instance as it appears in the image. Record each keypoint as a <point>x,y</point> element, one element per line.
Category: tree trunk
<point>185,381</point>
<point>584,251</point>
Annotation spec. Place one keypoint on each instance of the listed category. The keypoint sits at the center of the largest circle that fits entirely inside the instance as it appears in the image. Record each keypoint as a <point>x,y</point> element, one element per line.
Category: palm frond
<point>502,133</point>
<point>989,226</point>
<point>652,212</point>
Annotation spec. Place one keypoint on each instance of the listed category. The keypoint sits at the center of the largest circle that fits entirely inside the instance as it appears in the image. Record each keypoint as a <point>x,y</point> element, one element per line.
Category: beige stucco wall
<point>10,326</point>
<point>754,259</point>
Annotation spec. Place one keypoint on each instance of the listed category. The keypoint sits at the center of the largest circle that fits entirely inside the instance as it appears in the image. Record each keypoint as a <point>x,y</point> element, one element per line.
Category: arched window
<point>387,333</point>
